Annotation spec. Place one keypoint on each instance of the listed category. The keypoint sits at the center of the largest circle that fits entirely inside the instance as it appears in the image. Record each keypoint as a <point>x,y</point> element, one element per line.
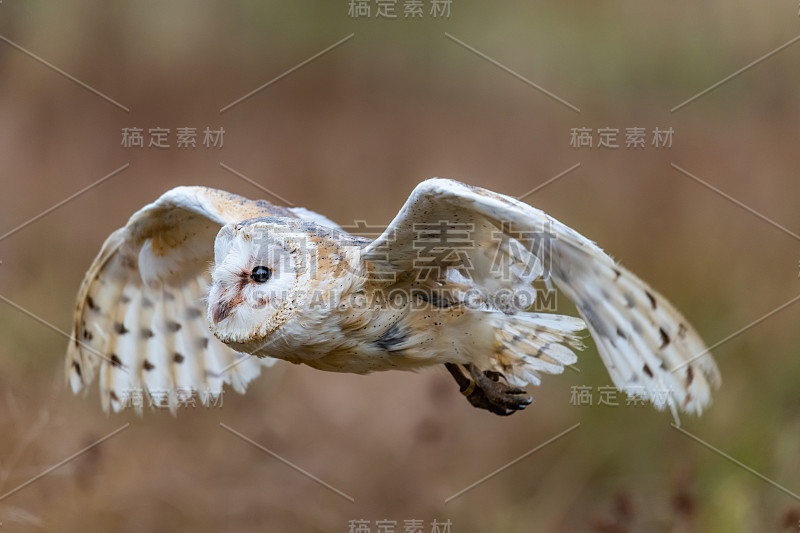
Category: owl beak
<point>220,312</point>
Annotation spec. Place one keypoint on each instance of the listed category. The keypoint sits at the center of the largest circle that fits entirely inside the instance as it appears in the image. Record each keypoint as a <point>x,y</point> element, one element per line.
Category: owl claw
<point>486,391</point>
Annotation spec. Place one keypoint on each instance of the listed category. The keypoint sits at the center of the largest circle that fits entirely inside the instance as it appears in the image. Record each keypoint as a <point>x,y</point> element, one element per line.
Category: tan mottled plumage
<point>289,284</point>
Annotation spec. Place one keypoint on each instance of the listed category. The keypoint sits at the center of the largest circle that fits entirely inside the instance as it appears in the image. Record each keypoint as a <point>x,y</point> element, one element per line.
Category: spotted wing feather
<point>647,345</point>
<point>140,317</point>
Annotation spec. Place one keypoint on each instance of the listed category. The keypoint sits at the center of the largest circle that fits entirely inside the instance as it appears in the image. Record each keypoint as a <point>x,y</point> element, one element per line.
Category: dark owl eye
<point>261,274</point>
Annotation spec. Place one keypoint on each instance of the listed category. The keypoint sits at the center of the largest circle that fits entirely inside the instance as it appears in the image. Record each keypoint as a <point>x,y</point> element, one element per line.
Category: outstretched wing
<point>140,315</point>
<point>502,245</point>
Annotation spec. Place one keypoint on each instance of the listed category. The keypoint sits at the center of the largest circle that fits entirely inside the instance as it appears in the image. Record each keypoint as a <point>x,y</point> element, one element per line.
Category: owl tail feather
<point>528,344</point>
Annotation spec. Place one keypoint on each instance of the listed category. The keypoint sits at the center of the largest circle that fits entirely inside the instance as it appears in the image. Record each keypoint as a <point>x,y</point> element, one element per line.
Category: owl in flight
<point>203,287</point>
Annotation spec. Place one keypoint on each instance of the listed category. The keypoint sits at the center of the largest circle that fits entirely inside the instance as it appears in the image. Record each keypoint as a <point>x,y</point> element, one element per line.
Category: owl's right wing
<point>140,315</point>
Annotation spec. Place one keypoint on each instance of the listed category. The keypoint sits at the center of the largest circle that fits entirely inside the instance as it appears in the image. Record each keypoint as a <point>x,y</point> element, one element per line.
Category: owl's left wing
<point>140,315</point>
<point>501,244</point>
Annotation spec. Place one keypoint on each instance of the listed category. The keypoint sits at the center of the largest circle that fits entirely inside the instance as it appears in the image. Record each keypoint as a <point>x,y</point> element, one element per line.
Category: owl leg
<point>486,391</point>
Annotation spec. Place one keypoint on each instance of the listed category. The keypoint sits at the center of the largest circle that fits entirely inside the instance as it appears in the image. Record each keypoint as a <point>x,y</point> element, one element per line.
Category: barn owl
<point>203,287</point>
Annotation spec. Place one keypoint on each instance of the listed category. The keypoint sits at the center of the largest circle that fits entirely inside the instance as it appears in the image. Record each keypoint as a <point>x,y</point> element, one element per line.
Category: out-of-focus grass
<point>349,135</point>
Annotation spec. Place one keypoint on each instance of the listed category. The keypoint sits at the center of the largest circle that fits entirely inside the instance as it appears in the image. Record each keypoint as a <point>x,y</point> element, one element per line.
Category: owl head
<point>261,275</point>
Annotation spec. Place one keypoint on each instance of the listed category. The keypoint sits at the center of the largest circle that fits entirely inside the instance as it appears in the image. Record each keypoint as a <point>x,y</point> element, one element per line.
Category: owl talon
<point>486,391</point>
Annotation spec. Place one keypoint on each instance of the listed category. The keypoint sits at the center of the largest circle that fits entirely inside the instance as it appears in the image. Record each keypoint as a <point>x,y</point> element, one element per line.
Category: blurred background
<point>349,135</point>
